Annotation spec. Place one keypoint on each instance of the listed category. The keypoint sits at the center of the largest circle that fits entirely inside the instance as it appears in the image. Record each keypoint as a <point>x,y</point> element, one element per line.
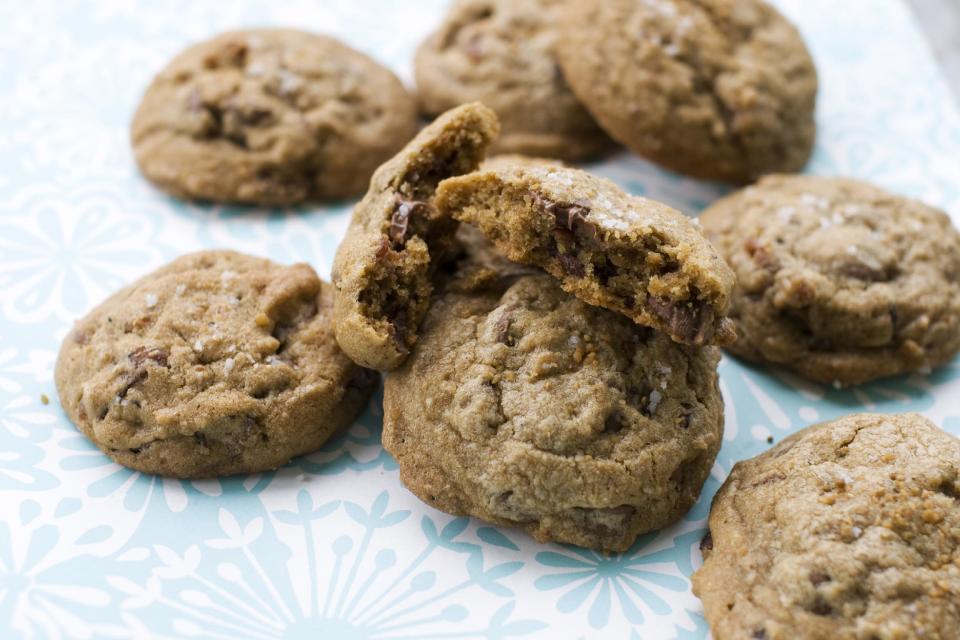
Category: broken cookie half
<point>609,248</point>
<point>397,237</point>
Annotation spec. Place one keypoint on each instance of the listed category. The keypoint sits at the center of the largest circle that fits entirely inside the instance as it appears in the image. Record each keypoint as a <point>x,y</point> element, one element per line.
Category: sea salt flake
<point>228,365</point>
<point>198,345</point>
<point>181,288</point>
<point>150,300</point>
<point>228,275</point>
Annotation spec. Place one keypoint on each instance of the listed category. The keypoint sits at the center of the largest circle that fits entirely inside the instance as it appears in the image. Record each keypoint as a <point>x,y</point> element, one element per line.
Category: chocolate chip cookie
<point>623,252</point>
<point>270,117</point>
<point>218,363</point>
<point>500,53</point>
<point>397,238</point>
<point>837,279</point>
<point>845,530</point>
<point>524,406</point>
<point>716,89</point>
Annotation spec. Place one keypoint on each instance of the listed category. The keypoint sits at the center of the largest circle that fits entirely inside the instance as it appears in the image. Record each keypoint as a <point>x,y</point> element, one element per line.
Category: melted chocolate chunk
<point>571,264</point>
<point>568,215</point>
<point>141,354</point>
<point>818,577</point>
<point>140,358</point>
<point>691,323</point>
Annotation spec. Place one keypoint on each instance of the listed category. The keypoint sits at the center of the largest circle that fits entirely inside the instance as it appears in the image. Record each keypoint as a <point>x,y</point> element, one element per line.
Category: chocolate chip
<point>568,215</point>
<point>706,543</point>
<point>613,423</point>
<point>605,270</point>
<point>821,608</point>
<point>140,358</point>
<point>571,264</point>
<point>863,272</point>
<point>502,326</point>
<point>690,322</point>
<point>140,355</point>
<point>399,324</point>
<point>818,577</point>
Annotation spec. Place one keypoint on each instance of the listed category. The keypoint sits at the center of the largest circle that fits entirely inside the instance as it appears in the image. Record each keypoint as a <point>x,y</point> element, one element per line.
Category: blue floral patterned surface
<point>332,546</point>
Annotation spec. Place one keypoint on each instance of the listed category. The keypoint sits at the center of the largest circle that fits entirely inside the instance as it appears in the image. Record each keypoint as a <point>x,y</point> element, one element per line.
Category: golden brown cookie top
<point>839,279</point>
<point>716,89</point>
<point>501,53</point>
<point>270,116</point>
<point>217,363</point>
<point>846,529</point>
<point>523,405</point>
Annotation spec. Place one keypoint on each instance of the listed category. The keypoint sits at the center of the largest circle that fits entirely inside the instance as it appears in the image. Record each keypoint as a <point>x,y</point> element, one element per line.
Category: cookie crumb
<point>44,399</point>
<point>837,384</point>
<point>261,320</point>
<point>769,439</point>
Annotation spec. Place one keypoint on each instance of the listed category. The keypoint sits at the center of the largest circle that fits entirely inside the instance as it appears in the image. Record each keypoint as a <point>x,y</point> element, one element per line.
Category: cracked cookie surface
<point>218,363</point>
<point>397,238</point>
<point>716,89</point>
<point>846,530</point>
<point>626,253</point>
<point>270,117</point>
<point>525,406</point>
<point>837,279</point>
<point>500,53</point>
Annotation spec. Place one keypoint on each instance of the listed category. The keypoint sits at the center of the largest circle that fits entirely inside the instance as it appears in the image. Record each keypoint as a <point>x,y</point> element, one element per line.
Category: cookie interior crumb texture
<point>837,279</point>
<point>397,238</point>
<point>626,253</point>
<point>527,407</point>
<point>715,89</point>
<point>175,375</point>
<point>270,117</point>
<point>847,529</point>
<point>501,53</point>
